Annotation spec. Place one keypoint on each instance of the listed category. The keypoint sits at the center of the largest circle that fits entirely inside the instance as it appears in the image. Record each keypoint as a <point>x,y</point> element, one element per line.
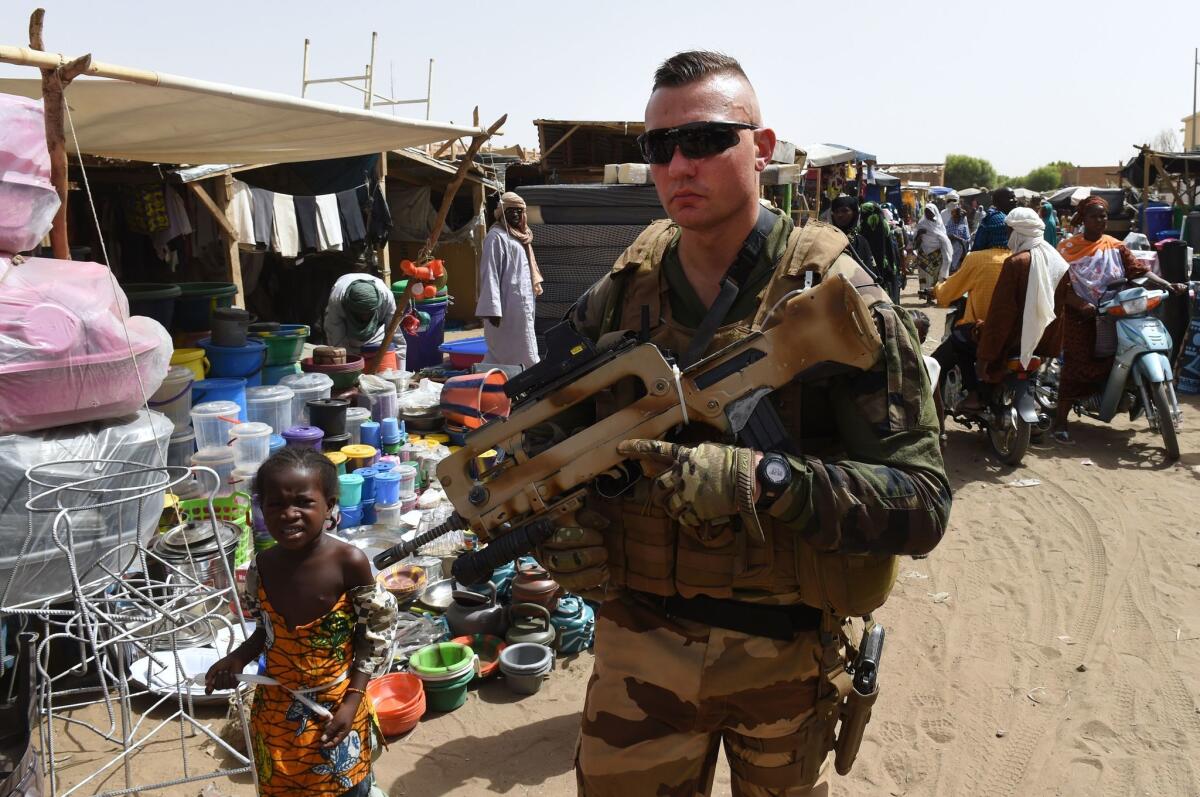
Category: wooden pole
<point>426,253</point>
<point>53,83</point>
<point>232,254</point>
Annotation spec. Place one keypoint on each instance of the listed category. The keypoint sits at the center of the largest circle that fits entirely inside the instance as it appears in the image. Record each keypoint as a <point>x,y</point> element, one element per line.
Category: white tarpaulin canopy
<point>190,121</point>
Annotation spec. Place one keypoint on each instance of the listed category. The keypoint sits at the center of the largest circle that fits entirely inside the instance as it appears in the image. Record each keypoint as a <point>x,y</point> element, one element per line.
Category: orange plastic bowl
<point>399,700</point>
<point>487,648</point>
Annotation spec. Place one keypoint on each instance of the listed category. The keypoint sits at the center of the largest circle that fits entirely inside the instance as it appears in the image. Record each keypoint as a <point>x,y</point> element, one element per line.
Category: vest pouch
<point>644,546</point>
<point>848,585</point>
<point>707,567</point>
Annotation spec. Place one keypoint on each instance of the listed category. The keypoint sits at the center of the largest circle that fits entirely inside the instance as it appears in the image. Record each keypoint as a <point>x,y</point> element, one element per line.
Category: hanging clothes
<point>285,238</point>
<point>262,203</point>
<point>506,293</point>
<point>306,223</point>
<point>351,217</point>
<point>379,223</point>
<point>178,224</point>
<point>329,226</point>
<point>241,214</point>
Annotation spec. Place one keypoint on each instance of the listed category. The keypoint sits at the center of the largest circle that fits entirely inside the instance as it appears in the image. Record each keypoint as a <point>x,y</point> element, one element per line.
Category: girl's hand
<point>223,674</point>
<point>339,724</point>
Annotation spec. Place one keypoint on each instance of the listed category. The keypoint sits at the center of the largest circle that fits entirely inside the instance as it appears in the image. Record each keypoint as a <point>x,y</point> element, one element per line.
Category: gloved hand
<point>701,487</point>
<point>575,554</point>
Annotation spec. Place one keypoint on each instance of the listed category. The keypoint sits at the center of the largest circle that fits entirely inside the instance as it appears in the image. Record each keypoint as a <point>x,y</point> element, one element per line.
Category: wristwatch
<point>774,475</point>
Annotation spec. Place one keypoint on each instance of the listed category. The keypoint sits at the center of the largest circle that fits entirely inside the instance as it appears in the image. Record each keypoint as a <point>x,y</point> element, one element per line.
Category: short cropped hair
<point>688,67</point>
<point>295,458</point>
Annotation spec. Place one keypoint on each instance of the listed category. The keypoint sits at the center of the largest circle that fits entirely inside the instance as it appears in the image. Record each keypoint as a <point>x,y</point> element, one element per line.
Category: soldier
<point>728,578</point>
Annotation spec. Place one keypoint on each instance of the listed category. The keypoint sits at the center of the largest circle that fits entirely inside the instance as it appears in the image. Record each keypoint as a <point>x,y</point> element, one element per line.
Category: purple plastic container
<point>304,436</point>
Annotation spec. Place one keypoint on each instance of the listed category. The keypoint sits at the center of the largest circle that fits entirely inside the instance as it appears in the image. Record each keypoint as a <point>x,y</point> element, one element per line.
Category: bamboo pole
<point>54,79</point>
<point>426,253</point>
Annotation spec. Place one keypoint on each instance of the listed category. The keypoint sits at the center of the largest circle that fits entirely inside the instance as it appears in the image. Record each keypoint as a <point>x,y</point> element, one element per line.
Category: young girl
<point>325,626</point>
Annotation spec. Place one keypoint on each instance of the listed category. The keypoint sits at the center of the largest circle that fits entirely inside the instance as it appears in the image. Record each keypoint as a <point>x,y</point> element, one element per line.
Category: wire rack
<point>116,612</point>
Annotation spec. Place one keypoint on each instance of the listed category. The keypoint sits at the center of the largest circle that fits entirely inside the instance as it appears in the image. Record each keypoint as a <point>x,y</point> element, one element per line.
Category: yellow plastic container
<point>359,456</point>
<point>192,359</point>
<point>338,459</point>
<point>438,439</point>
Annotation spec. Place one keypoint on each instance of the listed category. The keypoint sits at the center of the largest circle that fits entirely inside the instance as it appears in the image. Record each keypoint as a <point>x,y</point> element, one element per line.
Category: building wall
<point>1191,124</point>
<point>932,173</point>
<point>1099,176</point>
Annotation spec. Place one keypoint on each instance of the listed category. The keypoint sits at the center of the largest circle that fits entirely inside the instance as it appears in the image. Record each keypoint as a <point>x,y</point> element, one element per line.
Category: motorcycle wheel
<point>1166,423</point>
<point>1011,442</point>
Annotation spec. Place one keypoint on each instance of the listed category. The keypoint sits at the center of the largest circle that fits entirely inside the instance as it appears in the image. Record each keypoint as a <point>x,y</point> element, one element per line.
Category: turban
<point>1092,201</point>
<point>360,303</point>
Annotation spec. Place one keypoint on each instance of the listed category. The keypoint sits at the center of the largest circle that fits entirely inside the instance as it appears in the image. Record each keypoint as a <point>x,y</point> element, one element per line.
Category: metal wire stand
<point>116,613</point>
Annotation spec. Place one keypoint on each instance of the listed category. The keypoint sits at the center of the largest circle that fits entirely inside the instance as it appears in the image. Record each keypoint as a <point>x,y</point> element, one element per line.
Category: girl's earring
<point>331,522</point>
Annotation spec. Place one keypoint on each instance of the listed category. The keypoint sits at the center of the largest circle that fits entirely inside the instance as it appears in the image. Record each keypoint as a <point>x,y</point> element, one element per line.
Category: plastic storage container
<point>221,389</point>
<point>368,483</point>
<point>329,414</point>
<point>407,475</point>
<point>360,456</point>
<point>277,442</point>
<point>219,460</point>
<point>270,404</point>
<point>304,436</point>
<point>181,448</point>
<point>212,421</point>
<point>229,327</point>
<point>368,434</point>
<point>355,416</point>
<point>174,397</point>
<point>351,516</point>
<point>338,459</point>
<point>251,444</point>
<point>350,489</point>
<point>306,388</point>
<point>387,487</point>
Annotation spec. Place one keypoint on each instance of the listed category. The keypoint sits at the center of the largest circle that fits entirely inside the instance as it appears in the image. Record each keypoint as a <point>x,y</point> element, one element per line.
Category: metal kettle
<point>530,622</point>
<point>474,613</point>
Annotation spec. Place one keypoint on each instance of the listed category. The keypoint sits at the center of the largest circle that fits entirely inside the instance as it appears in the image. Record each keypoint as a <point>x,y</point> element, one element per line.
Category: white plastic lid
<point>306,383</point>
<point>217,408</point>
<point>213,456</point>
<point>357,414</point>
<point>251,429</point>
<point>269,394</point>
<point>180,373</point>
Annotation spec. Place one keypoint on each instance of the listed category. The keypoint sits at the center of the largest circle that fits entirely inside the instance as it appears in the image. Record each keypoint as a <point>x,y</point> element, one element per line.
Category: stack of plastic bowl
<point>270,404</point>
<point>399,700</point>
<point>445,670</point>
<point>221,389</point>
<point>525,665</point>
<point>391,435</point>
<point>305,388</point>
<point>174,399</point>
<point>285,347</point>
<point>236,362</point>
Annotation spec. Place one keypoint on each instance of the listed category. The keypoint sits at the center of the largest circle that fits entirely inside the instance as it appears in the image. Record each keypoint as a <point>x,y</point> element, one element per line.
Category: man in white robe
<point>509,281</point>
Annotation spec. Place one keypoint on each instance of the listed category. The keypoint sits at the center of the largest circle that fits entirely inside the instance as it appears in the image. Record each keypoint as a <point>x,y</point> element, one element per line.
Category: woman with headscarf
<point>1096,260</point>
<point>509,281</point>
<point>1050,219</point>
<point>1020,317</point>
<point>874,227</point>
<point>843,212</point>
<point>933,251</point>
<point>959,235</point>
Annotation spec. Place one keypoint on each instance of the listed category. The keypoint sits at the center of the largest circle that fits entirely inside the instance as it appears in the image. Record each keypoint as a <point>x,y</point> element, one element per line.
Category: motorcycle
<point>1141,379</point>
<point>1009,413</point>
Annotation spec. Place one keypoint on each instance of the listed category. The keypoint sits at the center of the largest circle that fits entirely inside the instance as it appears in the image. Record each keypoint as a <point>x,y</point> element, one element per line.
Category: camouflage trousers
<point>665,694</point>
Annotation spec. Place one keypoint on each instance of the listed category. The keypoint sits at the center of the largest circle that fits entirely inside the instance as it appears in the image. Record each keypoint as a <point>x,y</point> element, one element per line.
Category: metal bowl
<point>437,595</point>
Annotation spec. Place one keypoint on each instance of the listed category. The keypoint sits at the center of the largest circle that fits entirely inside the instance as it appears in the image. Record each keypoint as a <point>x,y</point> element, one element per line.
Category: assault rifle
<point>538,477</point>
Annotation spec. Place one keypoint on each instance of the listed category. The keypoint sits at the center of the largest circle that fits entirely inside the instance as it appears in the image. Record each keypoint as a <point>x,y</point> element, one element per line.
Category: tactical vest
<point>647,551</point>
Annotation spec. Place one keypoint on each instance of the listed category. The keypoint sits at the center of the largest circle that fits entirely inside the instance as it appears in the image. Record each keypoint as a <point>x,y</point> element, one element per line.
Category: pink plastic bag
<point>65,340</point>
<point>28,201</point>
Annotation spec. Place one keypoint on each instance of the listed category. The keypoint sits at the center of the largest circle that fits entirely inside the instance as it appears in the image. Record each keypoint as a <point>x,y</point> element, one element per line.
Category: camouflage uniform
<point>869,485</point>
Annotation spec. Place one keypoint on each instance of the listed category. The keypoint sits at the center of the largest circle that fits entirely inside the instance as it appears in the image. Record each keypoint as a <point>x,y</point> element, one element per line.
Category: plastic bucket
<point>351,517</point>
<point>360,456</point>
<point>181,448</point>
<point>423,347</point>
<point>193,359</point>
<point>245,362</point>
<point>153,300</point>
<point>197,300</point>
<point>440,660</point>
<point>285,345</point>
<point>399,700</point>
<point>448,695</point>
<point>387,487</point>
<point>229,326</point>
<point>525,666</point>
<point>465,353</point>
<point>306,387</point>
<point>390,362</point>
<point>471,400</point>
<point>270,404</point>
<point>174,397</point>
<point>251,444</point>
<point>488,648</point>
<point>274,374</point>
<point>329,414</point>
<point>212,421</point>
<point>221,389</point>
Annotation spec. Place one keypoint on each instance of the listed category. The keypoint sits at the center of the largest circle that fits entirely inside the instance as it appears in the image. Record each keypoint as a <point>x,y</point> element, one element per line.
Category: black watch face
<point>775,471</point>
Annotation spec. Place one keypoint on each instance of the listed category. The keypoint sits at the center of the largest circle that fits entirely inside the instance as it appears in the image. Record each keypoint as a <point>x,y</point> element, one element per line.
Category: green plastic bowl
<point>447,695</point>
<point>284,345</point>
<point>441,659</point>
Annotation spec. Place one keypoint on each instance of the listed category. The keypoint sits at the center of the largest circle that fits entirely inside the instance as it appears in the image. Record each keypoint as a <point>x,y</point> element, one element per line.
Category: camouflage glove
<point>702,487</point>
<point>575,554</point>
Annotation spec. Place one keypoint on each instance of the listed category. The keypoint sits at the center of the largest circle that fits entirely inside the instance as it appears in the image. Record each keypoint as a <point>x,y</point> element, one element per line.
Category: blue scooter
<point>1141,379</point>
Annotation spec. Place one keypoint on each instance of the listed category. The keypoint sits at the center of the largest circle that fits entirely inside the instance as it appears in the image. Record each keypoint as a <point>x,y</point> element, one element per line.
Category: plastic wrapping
<point>28,201</point>
<point>64,350</point>
<point>425,397</point>
<point>43,572</point>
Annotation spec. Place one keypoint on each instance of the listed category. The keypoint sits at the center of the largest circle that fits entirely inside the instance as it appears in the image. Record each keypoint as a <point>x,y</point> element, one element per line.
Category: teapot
<point>530,622</point>
<point>532,584</point>
<point>475,613</point>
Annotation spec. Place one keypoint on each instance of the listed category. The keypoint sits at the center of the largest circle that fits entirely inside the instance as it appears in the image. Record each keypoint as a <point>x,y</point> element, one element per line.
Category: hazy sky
<point>1019,83</point>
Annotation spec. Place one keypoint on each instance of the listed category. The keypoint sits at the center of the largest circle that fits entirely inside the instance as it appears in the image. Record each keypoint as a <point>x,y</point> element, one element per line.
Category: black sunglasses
<point>695,140</point>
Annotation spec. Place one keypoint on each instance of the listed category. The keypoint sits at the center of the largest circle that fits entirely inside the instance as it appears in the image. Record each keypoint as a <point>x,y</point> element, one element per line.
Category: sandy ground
<point>1049,646</point>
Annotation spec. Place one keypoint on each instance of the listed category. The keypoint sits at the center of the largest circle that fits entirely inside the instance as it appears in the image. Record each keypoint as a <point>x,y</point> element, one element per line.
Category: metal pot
<point>530,622</point>
<point>475,613</point>
<point>532,584</point>
<point>187,552</point>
